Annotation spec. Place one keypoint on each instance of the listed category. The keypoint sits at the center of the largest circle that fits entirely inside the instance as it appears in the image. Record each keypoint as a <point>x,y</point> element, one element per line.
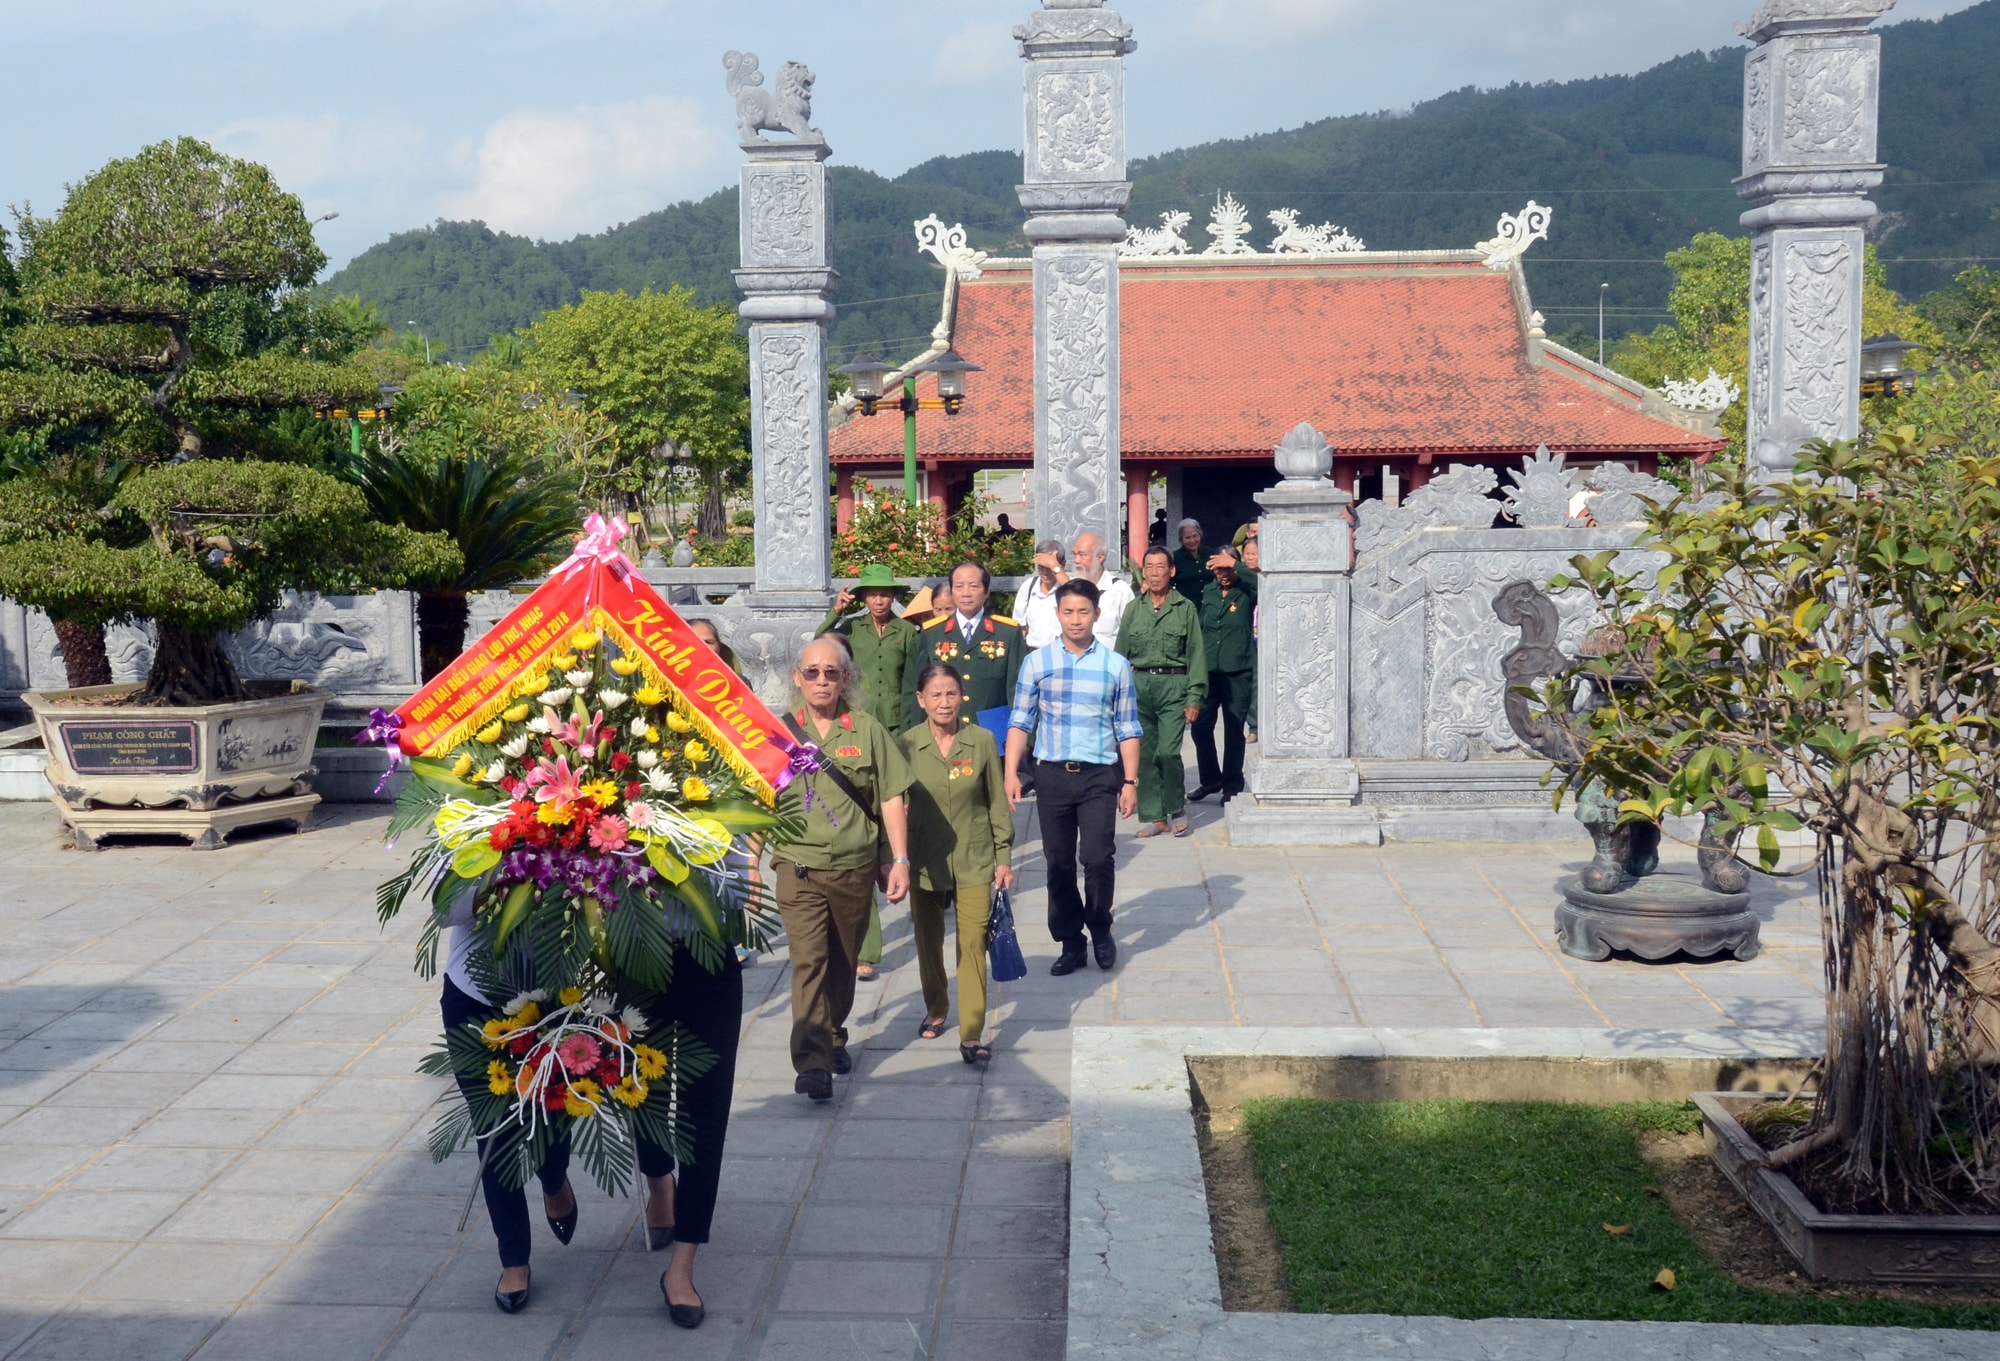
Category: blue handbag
<point>1003,951</point>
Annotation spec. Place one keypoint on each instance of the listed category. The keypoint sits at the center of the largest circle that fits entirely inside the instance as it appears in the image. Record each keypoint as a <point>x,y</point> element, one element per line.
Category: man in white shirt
<point>1114,592</point>
<point>1035,602</point>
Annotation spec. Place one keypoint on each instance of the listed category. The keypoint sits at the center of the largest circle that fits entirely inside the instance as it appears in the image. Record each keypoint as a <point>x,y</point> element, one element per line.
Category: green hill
<point>1632,165</point>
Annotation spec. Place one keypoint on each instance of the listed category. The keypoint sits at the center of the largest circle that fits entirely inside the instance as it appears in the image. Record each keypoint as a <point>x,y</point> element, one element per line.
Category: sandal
<point>975,1053</point>
<point>864,973</point>
<point>1152,829</point>
<point>932,1027</point>
<point>1181,825</point>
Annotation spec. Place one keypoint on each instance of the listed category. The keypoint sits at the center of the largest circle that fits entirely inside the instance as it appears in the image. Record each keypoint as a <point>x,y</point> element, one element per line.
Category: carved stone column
<point>1074,190</point>
<point>1810,92</point>
<point>786,278</point>
<point>1306,786</point>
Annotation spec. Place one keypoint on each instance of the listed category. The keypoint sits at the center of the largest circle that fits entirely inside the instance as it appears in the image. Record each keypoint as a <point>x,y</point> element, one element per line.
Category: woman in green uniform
<point>962,842</point>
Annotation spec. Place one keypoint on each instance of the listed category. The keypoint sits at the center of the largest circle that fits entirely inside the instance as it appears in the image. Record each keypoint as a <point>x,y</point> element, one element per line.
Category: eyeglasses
<point>832,673</point>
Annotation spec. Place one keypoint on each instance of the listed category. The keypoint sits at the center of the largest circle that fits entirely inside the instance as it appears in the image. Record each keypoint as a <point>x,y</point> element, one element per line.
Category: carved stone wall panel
<point>1759,94</point>
<point>14,663</point>
<point>1075,121</point>
<point>784,207</point>
<point>1304,710</point>
<point>788,420</point>
<point>1829,92</point>
<point>484,609</point>
<point>1301,545</point>
<point>1078,485</point>
<point>1387,705</point>
<point>1819,331</point>
<point>344,643</point>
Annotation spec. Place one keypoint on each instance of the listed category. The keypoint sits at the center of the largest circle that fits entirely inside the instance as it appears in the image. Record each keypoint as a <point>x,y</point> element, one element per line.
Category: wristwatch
<point>1131,782</point>
<point>900,860</point>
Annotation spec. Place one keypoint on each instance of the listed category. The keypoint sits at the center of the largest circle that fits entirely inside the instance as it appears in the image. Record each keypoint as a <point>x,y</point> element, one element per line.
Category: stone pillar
<point>1074,190</point>
<point>1810,91</point>
<point>786,277</point>
<point>1306,787</point>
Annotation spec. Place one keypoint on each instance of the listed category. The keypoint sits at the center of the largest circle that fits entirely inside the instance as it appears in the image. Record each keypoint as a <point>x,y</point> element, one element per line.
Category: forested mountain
<point>1632,165</point>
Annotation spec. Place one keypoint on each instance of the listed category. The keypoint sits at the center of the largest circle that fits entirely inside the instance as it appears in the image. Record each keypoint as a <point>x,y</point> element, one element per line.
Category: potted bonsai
<point>1824,653</point>
<point>170,328</point>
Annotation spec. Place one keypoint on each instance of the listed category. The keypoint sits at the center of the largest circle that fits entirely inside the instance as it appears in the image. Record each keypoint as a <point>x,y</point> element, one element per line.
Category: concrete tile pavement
<point>211,1134</point>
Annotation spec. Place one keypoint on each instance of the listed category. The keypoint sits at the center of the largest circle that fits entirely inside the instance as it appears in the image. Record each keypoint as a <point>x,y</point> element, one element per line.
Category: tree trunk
<point>189,668</point>
<point>441,620</point>
<point>713,520</point>
<point>84,657</point>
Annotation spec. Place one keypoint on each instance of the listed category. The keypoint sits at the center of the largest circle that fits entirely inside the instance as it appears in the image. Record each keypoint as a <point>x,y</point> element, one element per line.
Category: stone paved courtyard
<point>212,1137</point>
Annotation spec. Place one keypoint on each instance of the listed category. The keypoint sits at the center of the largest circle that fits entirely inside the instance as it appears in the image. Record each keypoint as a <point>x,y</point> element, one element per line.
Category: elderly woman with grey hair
<point>1035,602</point>
<point>851,832</point>
<point>1191,574</point>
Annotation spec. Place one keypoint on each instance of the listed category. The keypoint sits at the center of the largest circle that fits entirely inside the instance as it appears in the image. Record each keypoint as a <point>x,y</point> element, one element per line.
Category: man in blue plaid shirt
<point>1081,705</point>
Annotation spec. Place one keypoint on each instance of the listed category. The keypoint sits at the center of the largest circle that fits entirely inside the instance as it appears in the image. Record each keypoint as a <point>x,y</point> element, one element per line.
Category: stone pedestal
<point>786,278</point>
<point>1074,190</point>
<point>1810,92</point>
<point>1306,788</point>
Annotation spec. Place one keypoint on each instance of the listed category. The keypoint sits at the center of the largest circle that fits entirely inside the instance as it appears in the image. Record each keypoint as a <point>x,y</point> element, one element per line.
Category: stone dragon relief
<point>1076,374</point>
<point>1076,120</point>
<point>790,385</point>
<point>783,217</point>
<point>1826,103</point>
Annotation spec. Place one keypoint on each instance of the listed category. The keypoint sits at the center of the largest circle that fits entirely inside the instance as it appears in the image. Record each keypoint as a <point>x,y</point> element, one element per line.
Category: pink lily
<point>554,782</point>
<point>582,736</point>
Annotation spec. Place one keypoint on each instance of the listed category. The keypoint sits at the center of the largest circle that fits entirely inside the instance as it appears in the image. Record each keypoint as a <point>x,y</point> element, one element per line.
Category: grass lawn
<point>1498,1209</point>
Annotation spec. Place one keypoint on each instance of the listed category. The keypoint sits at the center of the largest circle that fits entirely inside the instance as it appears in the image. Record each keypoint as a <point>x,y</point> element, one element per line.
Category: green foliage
<point>1954,409</point>
<point>1967,317</point>
<point>1481,1210</point>
<point>1825,652</point>
<point>918,541</point>
<point>508,517</point>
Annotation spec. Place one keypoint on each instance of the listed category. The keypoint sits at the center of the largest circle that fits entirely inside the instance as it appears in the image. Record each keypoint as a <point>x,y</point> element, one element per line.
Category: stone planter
<point>1948,1250</point>
<point>1653,917</point>
<point>199,772</point>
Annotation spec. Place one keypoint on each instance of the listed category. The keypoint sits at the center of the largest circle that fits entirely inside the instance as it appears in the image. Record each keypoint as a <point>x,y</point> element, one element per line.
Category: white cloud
<point>307,153</point>
<point>1261,20</point>
<point>974,54</point>
<point>555,173</point>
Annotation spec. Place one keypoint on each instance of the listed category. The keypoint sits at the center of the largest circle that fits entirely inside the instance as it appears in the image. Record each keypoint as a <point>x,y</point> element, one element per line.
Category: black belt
<point>1079,767</point>
<point>1162,670</point>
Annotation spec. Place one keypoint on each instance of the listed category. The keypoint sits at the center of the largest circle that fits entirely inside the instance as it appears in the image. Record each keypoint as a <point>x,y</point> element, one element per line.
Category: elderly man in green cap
<point>884,648</point>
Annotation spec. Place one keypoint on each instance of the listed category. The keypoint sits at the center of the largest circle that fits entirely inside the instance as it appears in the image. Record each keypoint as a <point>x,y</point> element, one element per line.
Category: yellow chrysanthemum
<point>490,733</point>
<point>569,997</point>
<point>603,793</point>
<point>583,641</point>
<point>676,723</point>
<point>555,814</point>
<point>519,711</point>
<point>631,1091</point>
<point>696,753</point>
<point>625,666</point>
<point>652,1063</point>
<point>529,1013</point>
<point>694,789</point>
<point>533,685</point>
<point>493,1030</point>
<point>563,662</point>
<point>499,1080</point>
<point>580,1101</point>
<point>649,694</point>
<point>653,735</point>
<point>462,767</point>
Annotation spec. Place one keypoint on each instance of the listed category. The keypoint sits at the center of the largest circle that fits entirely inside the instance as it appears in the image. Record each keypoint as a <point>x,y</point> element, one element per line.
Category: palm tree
<point>509,515</point>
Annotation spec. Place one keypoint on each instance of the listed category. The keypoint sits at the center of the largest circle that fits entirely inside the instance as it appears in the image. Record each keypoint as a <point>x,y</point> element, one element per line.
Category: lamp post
<point>950,368</point>
<point>1602,289</point>
<point>1885,367</point>
<point>355,417</point>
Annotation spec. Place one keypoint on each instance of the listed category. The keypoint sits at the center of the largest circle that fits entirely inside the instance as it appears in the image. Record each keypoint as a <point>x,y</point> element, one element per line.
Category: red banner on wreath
<point>599,590</point>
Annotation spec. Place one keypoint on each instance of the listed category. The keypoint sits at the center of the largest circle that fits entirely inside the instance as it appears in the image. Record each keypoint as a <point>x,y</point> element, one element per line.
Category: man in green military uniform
<point>984,648</point>
<point>1228,632</point>
<point>1161,636</point>
<point>882,645</point>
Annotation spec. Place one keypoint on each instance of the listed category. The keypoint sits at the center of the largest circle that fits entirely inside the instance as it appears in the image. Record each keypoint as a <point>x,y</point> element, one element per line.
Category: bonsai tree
<point>1825,653</point>
<point>169,327</point>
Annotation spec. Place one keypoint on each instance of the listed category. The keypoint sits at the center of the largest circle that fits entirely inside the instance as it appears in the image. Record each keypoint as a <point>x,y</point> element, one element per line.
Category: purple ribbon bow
<point>385,727</point>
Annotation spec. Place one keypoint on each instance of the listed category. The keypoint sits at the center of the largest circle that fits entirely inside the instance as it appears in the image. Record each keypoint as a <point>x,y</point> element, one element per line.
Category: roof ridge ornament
<point>1325,239</point>
<point>1165,239</point>
<point>1229,224</point>
<point>1515,233</point>
<point>1715,393</point>
<point>949,246</point>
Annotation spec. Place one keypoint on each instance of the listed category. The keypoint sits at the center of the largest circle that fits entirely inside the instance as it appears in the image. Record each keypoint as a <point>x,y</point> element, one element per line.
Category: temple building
<point>1408,361</point>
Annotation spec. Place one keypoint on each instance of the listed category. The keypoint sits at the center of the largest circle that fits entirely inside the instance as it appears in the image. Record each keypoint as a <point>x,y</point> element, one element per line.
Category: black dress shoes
<point>843,1062</point>
<point>1106,950</point>
<point>1068,962</point>
<point>511,1301</point>
<point>816,1083</point>
<point>563,1227</point>
<point>683,1315</point>
<point>1203,791</point>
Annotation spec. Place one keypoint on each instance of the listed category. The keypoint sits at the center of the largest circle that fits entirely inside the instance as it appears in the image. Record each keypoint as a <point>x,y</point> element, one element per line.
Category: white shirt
<point>1114,593</point>
<point>1035,612</point>
<point>966,623</point>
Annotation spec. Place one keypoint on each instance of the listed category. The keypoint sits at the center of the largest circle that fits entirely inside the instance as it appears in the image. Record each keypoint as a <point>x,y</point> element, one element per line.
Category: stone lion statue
<point>785,109</point>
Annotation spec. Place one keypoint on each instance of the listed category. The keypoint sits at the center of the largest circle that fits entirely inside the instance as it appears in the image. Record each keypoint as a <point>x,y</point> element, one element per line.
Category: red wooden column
<point>938,486</point>
<point>1137,514</point>
<point>843,505</point>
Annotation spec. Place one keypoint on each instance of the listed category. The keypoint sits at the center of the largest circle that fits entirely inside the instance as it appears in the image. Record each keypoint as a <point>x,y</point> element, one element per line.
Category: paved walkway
<point>211,1137</point>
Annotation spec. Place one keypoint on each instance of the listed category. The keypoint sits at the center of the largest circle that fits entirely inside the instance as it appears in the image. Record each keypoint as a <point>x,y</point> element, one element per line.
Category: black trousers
<point>710,1007</point>
<point>1078,807</point>
<point>1232,696</point>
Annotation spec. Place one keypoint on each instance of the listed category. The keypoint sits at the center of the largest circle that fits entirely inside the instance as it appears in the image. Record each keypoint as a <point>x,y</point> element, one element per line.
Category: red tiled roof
<point>1219,360</point>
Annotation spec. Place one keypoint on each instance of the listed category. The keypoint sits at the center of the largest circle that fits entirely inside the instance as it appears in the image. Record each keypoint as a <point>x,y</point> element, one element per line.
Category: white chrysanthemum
<point>578,677</point>
<point>612,699</point>
<point>540,724</point>
<point>647,759</point>
<point>493,772</point>
<point>518,746</point>
<point>538,996</point>
<point>599,1003</point>
<point>661,781</point>
<point>634,1020</point>
<point>638,729</point>
<point>557,696</point>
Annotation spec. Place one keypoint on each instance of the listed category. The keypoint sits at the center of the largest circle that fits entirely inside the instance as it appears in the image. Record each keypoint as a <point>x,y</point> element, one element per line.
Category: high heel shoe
<point>683,1315</point>
<point>662,1240</point>
<point>564,1228</point>
<point>513,1301</point>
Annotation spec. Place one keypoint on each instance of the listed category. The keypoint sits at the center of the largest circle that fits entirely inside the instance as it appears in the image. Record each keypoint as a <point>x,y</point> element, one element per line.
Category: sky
<point>551,118</point>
